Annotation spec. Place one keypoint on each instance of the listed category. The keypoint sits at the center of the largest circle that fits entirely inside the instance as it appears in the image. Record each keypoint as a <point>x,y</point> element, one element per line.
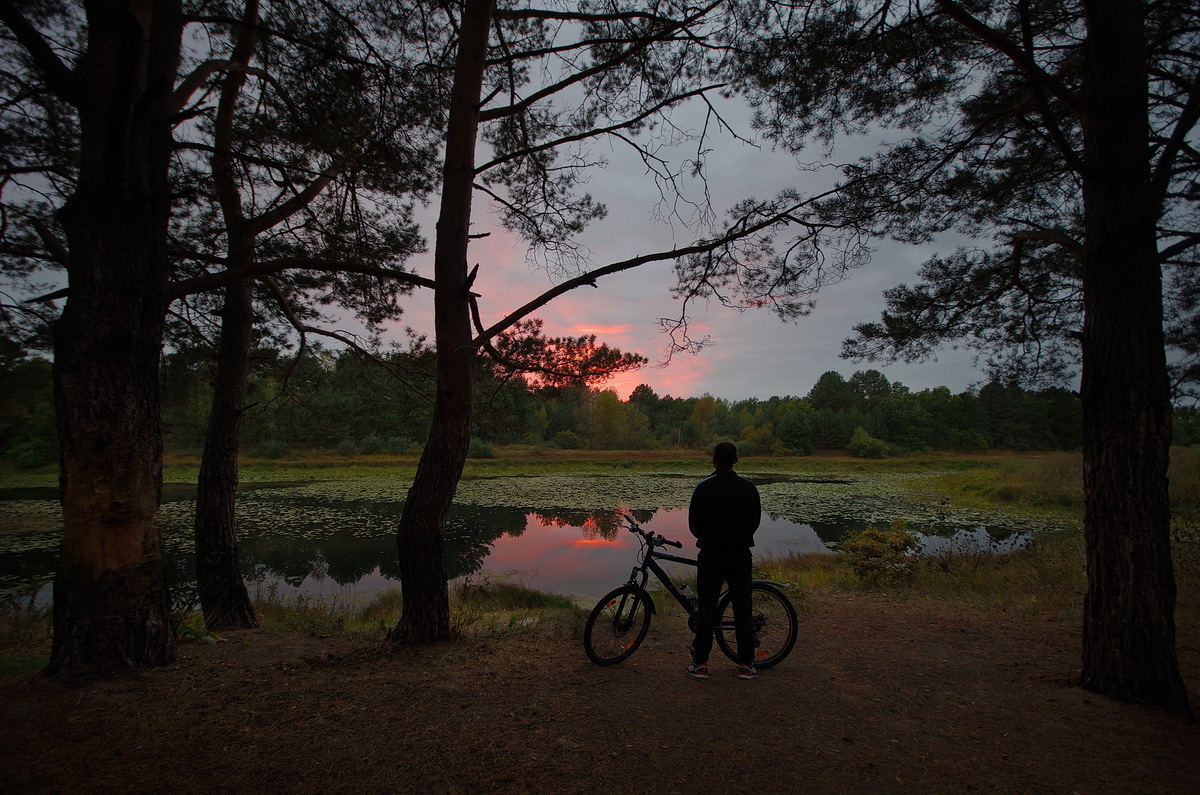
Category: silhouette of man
<point>723,515</point>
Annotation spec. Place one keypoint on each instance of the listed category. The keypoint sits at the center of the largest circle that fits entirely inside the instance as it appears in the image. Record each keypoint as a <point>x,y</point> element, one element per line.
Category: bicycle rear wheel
<point>617,625</point>
<point>775,625</point>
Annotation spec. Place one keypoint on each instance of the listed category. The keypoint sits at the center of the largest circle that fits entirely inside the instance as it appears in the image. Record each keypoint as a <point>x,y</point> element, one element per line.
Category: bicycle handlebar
<point>653,539</point>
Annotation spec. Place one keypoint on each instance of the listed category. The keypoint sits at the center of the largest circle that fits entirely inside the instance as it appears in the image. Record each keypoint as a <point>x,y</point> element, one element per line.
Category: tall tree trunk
<point>111,607</point>
<point>426,615</point>
<point>1129,608</point>
<point>223,595</point>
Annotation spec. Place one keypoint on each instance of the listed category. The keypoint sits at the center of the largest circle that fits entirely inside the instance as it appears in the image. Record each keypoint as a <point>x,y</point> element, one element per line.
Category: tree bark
<point>426,613</point>
<point>223,595</point>
<point>1129,626</point>
<point>111,606</point>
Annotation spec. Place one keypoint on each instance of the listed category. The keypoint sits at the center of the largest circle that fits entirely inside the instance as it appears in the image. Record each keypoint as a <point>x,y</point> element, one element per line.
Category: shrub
<point>34,453</point>
<point>881,557</point>
<point>272,450</point>
<point>347,447</point>
<point>567,440</point>
<point>370,445</point>
<point>864,445</point>
<point>480,449</point>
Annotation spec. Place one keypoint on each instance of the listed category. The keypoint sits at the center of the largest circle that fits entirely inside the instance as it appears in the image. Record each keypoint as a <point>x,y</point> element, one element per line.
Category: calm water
<point>337,540</point>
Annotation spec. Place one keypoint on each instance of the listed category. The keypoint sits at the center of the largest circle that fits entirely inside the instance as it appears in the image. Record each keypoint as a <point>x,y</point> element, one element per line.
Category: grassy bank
<point>1047,576</point>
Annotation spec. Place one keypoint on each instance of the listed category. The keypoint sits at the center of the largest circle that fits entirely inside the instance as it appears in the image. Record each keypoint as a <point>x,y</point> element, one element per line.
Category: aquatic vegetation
<point>340,529</point>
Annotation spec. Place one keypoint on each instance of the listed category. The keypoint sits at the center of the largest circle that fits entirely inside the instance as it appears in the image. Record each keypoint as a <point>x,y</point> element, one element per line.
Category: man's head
<point>724,455</point>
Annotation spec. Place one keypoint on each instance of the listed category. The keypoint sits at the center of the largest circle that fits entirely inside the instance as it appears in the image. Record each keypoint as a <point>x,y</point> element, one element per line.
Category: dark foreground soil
<point>878,697</point>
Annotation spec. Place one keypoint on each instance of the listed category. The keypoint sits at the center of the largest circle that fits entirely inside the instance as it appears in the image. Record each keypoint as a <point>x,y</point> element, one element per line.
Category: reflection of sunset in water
<point>588,554</point>
<point>310,539</point>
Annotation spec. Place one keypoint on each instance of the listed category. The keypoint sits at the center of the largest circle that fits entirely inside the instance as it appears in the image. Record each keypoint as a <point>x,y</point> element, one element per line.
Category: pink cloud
<point>623,313</point>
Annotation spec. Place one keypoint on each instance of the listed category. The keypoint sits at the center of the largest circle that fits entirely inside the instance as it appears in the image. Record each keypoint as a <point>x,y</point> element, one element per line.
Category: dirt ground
<point>878,696</point>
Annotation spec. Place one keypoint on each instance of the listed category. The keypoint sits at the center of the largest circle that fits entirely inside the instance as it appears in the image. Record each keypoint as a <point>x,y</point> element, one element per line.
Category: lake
<point>554,533</point>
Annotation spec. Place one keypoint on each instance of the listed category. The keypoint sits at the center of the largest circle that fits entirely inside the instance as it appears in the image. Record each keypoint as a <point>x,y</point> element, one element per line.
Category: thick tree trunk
<point>223,595</point>
<point>1129,625</point>
<point>426,615</point>
<point>111,607</point>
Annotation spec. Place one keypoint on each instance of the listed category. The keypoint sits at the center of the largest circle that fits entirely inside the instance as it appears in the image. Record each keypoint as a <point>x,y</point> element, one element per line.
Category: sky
<point>753,354</point>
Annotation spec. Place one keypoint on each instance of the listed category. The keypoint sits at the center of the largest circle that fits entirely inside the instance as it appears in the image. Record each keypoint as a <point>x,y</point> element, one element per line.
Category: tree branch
<point>635,47</point>
<point>211,281</point>
<point>1013,51</point>
<point>54,247</point>
<point>516,15</point>
<point>596,132</point>
<point>60,79</point>
<point>591,276</point>
<point>1184,124</point>
<point>1056,236</point>
<point>303,329</point>
<point>193,81</point>
<point>299,201</point>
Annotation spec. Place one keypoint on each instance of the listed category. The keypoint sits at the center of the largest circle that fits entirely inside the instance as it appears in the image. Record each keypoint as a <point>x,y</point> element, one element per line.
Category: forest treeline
<point>337,401</point>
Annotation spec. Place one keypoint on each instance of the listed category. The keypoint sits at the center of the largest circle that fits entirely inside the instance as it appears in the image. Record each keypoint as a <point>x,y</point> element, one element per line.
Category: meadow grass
<point>479,606</point>
<point>1035,483</point>
<point>25,635</point>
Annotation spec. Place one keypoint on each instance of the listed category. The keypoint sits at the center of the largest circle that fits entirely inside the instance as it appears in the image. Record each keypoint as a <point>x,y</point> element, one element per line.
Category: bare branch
<point>192,83</point>
<point>589,279</point>
<point>598,131</point>
<point>54,247</point>
<point>298,201</point>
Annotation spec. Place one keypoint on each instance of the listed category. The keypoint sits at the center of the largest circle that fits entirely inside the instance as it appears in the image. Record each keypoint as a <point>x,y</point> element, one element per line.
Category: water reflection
<point>297,539</point>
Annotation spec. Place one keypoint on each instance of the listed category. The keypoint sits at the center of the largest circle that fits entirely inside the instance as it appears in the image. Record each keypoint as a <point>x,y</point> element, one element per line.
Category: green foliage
<point>334,400</point>
<point>272,450</point>
<point>28,433</point>
<point>34,453</point>
<point>486,593</point>
<point>482,605</point>
<point>1050,482</point>
<point>567,440</point>
<point>794,427</point>
<point>881,557</point>
<point>863,445</point>
<point>480,449</point>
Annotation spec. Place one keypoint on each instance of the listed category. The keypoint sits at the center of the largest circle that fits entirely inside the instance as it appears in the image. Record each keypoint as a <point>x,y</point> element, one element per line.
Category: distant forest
<point>337,401</point>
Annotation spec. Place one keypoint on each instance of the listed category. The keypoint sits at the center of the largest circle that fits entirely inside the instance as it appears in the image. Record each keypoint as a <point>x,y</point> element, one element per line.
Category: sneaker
<point>698,670</point>
<point>747,672</point>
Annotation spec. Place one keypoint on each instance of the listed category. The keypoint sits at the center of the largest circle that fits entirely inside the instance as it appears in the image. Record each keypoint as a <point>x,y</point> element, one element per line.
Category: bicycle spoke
<point>616,626</point>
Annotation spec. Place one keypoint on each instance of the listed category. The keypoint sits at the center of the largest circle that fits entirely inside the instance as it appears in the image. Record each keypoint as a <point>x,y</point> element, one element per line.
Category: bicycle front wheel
<point>775,625</point>
<point>617,625</point>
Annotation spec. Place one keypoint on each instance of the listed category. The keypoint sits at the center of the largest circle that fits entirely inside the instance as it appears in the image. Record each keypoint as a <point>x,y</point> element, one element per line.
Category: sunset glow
<point>752,353</point>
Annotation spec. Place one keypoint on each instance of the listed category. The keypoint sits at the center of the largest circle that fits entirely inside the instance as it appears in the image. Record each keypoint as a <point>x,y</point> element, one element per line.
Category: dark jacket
<point>724,512</point>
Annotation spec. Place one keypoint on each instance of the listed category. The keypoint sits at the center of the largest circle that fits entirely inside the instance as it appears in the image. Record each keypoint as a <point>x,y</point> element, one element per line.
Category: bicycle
<point>619,621</point>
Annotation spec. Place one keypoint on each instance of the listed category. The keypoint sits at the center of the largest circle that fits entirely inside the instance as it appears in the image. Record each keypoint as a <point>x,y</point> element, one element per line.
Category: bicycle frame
<point>620,620</point>
<point>649,564</point>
